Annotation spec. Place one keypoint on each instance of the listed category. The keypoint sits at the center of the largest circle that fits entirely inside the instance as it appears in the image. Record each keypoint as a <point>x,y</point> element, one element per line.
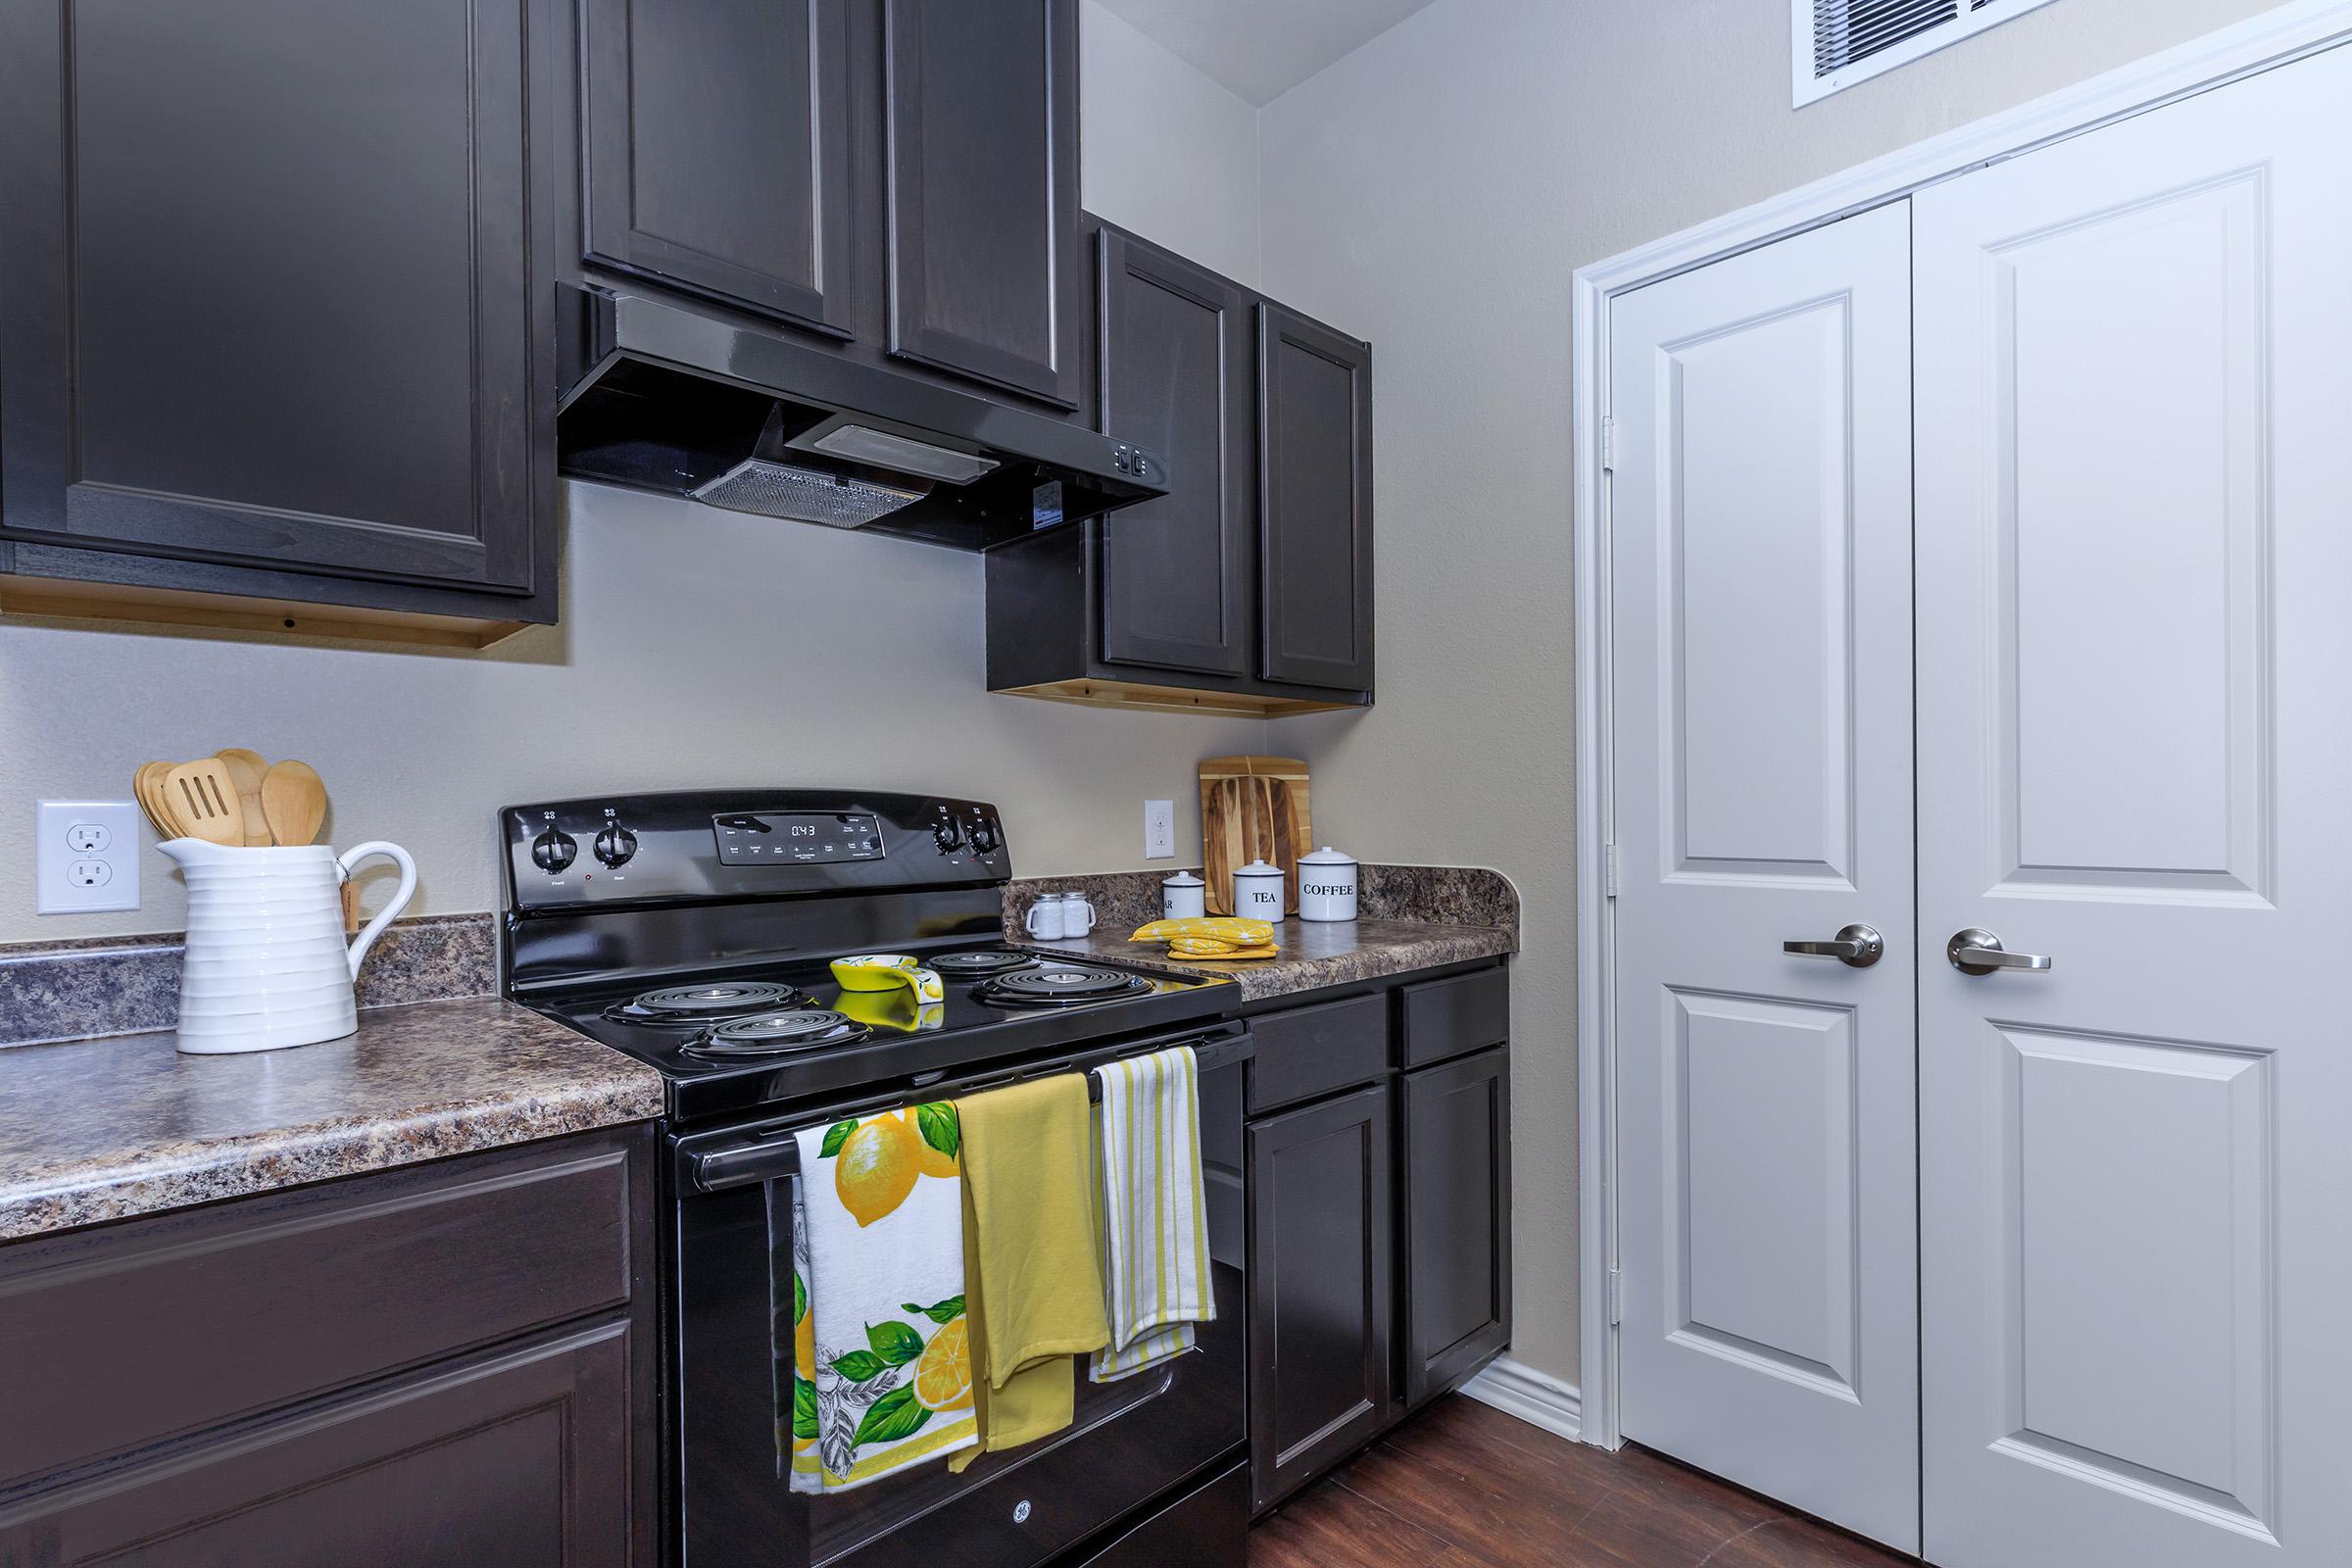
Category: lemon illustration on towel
<point>877,1162</point>
<point>876,1168</point>
<point>943,1378</point>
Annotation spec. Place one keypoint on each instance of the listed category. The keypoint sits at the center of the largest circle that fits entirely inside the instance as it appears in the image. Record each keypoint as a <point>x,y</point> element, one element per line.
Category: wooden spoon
<point>148,785</point>
<point>204,800</point>
<point>247,768</point>
<point>294,800</point>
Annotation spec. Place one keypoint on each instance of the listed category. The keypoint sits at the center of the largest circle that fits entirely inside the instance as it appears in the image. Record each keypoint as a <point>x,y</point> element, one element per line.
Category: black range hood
<point>665,397</point>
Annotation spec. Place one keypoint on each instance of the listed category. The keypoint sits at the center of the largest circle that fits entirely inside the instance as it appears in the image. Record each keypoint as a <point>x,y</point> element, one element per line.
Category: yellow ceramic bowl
<point>887,971</point>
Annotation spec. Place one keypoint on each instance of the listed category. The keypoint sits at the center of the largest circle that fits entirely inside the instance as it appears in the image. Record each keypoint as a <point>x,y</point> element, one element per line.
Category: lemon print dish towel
<point>882,1367</point>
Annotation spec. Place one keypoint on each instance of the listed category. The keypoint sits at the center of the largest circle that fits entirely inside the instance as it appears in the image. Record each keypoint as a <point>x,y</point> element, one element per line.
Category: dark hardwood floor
<point>1466,1486</point>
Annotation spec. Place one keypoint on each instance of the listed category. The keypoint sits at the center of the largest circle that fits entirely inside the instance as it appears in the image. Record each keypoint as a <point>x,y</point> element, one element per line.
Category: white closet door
<point>2135,374</point>
<point>1761,603</point>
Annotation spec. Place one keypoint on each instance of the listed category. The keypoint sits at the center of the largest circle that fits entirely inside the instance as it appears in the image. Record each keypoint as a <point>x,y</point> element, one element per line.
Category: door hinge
<point>1616,1297</point>
<point>1609,443</point>
<point>1608,869</point>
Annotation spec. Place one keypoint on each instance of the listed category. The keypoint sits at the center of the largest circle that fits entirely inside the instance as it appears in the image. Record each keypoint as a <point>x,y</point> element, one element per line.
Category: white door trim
<point>2291,31</point>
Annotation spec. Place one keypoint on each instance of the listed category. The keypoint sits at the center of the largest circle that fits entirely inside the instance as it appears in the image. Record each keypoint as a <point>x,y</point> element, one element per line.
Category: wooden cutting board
<point>1252,809</point>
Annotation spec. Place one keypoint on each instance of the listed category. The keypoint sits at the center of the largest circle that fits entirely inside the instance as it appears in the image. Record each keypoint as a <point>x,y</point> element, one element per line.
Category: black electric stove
<point>694,932</point>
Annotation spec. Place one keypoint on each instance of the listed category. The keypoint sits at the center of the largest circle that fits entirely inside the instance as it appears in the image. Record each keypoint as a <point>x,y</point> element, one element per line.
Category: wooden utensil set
<point>233,798</point>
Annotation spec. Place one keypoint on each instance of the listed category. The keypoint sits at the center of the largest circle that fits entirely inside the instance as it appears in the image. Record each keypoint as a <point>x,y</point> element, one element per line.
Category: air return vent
<point>1840,42</point>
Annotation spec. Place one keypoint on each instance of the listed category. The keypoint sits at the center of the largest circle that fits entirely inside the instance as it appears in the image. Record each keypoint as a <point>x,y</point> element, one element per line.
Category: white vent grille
<point>1840,42</point>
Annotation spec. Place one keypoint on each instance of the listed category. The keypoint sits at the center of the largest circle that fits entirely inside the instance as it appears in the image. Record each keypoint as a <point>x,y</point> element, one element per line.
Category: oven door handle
<point>776,1155</point>
<point>770,1159</point>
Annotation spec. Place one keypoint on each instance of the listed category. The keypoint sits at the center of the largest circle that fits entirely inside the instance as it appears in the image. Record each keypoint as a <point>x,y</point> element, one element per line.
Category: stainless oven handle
<point>773,1157</point>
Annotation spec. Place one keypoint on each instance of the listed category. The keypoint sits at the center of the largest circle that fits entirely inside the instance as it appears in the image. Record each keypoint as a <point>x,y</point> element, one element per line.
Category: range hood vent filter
<point>774,489</point>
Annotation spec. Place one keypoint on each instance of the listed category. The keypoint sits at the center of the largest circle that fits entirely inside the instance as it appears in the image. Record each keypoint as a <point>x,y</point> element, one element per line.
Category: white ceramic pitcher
<point>266,965</point>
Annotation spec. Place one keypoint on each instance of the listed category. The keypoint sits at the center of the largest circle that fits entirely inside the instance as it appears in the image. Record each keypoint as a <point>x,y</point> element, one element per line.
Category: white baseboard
<point>1537,1397</point>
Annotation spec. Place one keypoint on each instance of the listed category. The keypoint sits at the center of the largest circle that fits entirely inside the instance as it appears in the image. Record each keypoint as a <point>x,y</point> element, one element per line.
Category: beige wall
<point>697,646</point>
<point>1169,152</point>
<point>1432,192</point>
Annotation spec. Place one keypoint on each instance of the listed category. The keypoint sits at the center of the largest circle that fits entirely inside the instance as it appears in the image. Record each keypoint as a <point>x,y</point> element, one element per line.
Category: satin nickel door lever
<point>1857,947</point>
<point>1976,951</point>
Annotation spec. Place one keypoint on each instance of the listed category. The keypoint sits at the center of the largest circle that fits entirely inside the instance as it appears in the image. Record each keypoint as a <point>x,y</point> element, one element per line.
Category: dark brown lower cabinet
<point>1321,1288</point>
<point>521,1458</point>
<point>1456,1168</point>
<point>1380,1212</point>
<point>450,1363</point>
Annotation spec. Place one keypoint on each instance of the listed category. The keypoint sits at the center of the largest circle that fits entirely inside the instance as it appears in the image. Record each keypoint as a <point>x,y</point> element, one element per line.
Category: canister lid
<point>1327,856</point>
<point>1258,868</point>
<point>1184,879</point>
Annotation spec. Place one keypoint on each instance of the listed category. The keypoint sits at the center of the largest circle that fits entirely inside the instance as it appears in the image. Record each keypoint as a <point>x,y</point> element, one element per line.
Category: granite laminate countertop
<point>1314,953</point>
<point>104,1129</point>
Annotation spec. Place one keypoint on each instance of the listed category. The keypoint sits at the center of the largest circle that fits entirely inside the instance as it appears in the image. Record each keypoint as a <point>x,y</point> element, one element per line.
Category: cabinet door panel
<point>1321,1283</point>
<point>1176,377</point>
<point>982,118</point>
<point>524,1460</point>
<point>1314,503</point>
<point>717,134</point>
<point>269,297</point>
<point>1457,1221</point>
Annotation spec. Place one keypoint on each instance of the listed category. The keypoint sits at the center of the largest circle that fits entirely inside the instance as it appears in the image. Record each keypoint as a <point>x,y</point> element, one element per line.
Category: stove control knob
<point>615,843</point>
<point>553,850</point>
<point>984,837</point>
<point>948,836</point>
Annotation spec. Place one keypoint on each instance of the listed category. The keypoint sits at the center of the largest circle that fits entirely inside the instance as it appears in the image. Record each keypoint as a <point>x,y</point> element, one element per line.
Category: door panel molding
<point>1723,1204</point>
<point>2185,350</point>
<point>1728,785</point>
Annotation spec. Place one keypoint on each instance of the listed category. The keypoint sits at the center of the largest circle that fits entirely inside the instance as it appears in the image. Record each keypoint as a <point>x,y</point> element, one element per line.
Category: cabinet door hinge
<point>1608,869</point>
<point>1616,1297</point>
<point>1609,443</point>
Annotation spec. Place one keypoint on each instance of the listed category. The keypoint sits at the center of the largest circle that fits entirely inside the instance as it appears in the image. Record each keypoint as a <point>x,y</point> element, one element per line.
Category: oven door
<point>1133,1442</point>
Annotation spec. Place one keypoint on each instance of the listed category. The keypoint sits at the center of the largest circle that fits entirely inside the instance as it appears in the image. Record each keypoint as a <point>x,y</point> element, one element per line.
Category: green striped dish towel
<point>1155,1271</point>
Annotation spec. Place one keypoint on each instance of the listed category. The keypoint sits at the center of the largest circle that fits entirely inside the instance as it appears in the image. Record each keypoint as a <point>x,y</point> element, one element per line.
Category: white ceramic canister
<point>1327,882</point>
<point>1182,897</point>
<point>1257,891</point>
<point>1045,921</point>
<point>266,964</point>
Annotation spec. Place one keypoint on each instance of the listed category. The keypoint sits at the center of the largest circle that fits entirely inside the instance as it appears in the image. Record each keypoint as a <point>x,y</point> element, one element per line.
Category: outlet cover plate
<point>85,856</point>
<point>1159,830</point>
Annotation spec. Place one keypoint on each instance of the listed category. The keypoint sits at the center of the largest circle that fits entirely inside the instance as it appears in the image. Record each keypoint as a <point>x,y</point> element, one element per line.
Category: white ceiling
<point>1260,49</point>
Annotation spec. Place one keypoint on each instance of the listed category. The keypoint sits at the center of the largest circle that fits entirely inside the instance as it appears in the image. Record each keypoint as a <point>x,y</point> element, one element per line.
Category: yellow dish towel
<point>1032,1281</point>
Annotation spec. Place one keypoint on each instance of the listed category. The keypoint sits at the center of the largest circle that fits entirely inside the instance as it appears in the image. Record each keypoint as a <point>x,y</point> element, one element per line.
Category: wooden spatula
<point>247,768</point>
<point>294,801</point>
<point>148,785</point>
<point>204,800</point>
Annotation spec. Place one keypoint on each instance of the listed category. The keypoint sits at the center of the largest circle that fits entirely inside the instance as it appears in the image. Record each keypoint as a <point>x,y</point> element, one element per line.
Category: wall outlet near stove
<point>1159,830</point>
<point>85,856</point>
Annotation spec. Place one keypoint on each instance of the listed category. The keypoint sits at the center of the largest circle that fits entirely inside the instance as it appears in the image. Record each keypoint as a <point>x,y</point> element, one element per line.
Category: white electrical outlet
<point>85,856</point>
<point>1159,829</point>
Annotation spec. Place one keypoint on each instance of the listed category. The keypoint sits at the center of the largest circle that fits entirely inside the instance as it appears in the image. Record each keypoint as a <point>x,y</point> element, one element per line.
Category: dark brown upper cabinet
<point>981,106</point>
<point>717,150</point>
<point>270,326</point>
<point>1248,588</point>
<point>1177,378</point>
<point>1315,502</point>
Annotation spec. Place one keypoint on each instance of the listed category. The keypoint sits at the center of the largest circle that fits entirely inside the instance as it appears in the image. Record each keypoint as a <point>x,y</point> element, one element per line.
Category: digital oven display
<point>803,838</point>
